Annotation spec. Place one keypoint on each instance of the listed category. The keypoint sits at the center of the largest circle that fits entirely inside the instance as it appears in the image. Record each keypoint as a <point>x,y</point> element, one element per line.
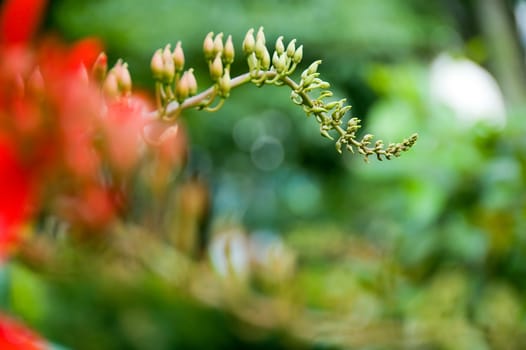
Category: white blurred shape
<point>467,89</point>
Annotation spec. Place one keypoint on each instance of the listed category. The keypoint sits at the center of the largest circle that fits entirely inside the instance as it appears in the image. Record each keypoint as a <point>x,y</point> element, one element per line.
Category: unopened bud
<point>157,65</point>
<point>216,68</point>
<point>224,84</point>
<point>218,44</point>
<point>124,80</point>
<point>168,65</point>
<point>298,55</point>
<point>280,48</point>
<point>275,60</point>
<point>228,52</point>
<point>100,68</point>
<point>291,48</point>
<point>260,49</point>
<point>249,43</point>
<point>182,89</point>
<point>284,62</point>
<point>313,68</point>
<point>260,36</point>
<point>252,62</point>
<point>111,85</point>
<point>208,46</point>
<point>178,57</point>
<point>265,60</point>
<point>190,80</point>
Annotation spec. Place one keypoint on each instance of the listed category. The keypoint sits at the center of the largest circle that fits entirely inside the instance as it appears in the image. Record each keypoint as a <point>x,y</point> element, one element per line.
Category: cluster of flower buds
<point>330,117</point>
<point>117,81</point>
<point>219,56</point>
<point>172,82</point>
<point>283,63</point>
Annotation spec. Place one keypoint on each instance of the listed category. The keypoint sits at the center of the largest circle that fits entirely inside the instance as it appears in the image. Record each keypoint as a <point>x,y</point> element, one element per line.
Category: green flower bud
<point>249,43</point>
<point>260,36</point>
<point>252,62</point>
<point>228,52</point>
<point>218,44</point>
<point>298,55</point>
<point>291,48</point>
<point>224,84</point>
<point>178,57</point>
<point>260,49</point>
<point>313,68</point>
<point>208,46</point>
<point>182,89</point>
<point>280,48</point>
<point>168,65</point>
<point>157,65</point>
<point>216,68</point>
<point>190,80</point>
<point>275,60</point>
<point>265,60</point>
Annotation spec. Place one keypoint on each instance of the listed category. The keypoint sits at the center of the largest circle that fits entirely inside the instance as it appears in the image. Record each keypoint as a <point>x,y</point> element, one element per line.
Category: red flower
<point>15,197</point>
<point>19,20</point>
<point>14,336</point>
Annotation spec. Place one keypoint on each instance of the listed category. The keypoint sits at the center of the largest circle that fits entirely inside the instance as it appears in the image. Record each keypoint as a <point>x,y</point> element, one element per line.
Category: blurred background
<point>324,251</point>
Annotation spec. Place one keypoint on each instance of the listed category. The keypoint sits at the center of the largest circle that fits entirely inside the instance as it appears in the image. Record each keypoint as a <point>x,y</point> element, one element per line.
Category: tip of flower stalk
<point>100,68</point>
<point>178,57</point>
<point>216,68</point>
<point>249,43</point>
<point>208,46</point>
<point>157,65</point>
<point>228,51</point>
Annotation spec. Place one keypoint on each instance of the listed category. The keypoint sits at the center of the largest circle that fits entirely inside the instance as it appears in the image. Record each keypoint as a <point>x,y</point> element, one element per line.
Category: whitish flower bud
<point>157,65</point>
<point>275,59</point>
<point>313,68</point>
<point>100,68</point>
<point>178,57</point>
<point>265,60</point>
<point>224,84</point>
<point>123,78</point>
<point>298,55</point>
<point>182,89</point>
<point>190,80</point>
<point>216,68</point>
<point>111,85</point>
<point>285,61</point>
<point>218,44</point>
<point>260,49</point>
<point>252,62</point>
<point>280,48</point>
<point>260,36</point>
<point>208,46</point>
<point>291,48</point>
<point>249,43</point>
<point>228,51</point>
<point>168,65</point>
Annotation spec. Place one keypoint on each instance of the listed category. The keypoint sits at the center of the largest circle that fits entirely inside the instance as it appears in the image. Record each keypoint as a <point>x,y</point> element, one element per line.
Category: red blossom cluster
<point>70,132</point>
<point>67,146</point>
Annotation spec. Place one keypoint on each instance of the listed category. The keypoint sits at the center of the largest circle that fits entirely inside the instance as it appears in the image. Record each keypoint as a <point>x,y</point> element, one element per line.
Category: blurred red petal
<point>14,336</point>
<point>84,53</point>
<point>19,20</point>
<point>14,197</point>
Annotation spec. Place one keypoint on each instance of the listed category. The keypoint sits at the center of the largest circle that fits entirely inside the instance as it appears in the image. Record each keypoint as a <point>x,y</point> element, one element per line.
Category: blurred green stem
<point>506,58</point>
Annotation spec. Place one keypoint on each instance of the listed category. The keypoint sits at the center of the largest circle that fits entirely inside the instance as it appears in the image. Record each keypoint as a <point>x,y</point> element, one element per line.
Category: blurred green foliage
<point>426,251</point>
